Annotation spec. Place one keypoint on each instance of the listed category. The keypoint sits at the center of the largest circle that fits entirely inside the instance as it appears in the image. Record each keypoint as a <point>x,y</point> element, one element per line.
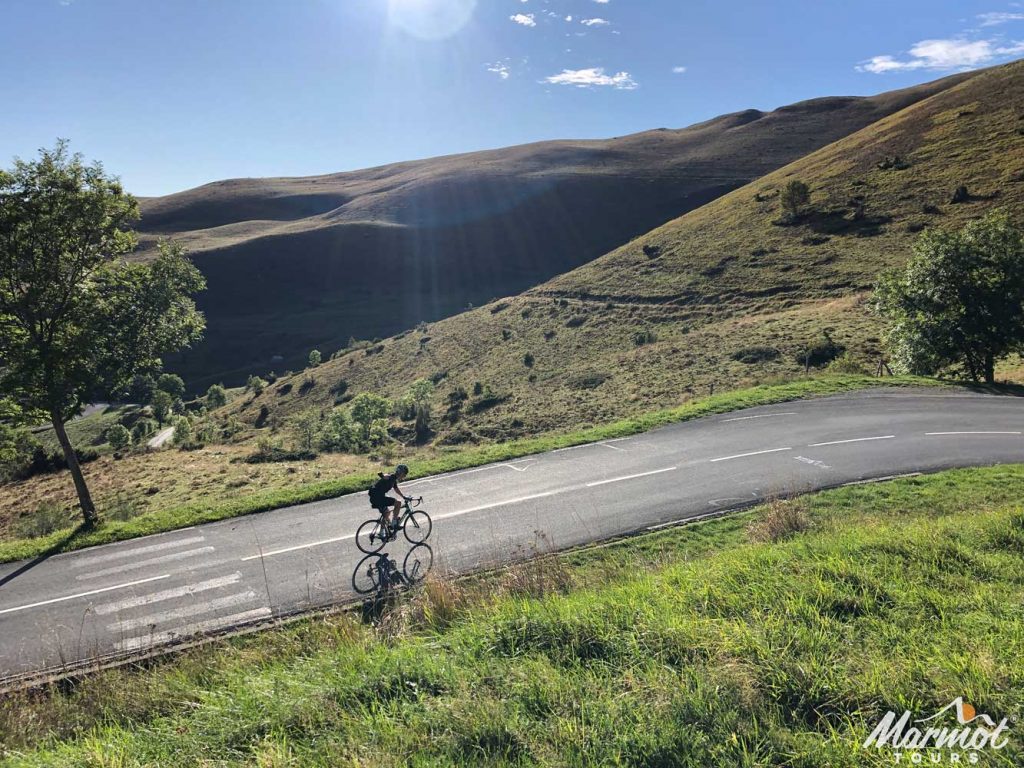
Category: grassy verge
<point>703,645</point>
<point>191,514</point>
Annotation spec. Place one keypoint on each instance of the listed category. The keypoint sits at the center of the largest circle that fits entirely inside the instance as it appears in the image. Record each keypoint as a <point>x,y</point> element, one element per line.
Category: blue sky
<point>175,93</point>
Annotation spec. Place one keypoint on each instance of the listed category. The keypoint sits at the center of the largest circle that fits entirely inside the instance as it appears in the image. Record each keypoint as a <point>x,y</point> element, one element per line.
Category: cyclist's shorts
<point>384,503</point>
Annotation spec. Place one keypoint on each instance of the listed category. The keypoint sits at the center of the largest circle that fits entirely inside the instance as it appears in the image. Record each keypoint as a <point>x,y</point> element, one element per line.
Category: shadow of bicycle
<point>379,574</point>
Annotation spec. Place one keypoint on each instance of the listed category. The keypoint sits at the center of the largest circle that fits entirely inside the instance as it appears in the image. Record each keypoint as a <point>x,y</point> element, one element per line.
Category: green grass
<point>191,514</point>
<point>693,646</point>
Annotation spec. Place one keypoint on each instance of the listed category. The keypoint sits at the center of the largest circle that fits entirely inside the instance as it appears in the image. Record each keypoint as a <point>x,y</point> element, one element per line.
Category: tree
<point>141,388</point>
<point>119,437</point>
<point>795,197</point>
<point>368,408</point>
<point>162,405</point>
<point>216,396</point>
<point>256,384</point>
<point>76,319</point>
<point>959,301</point>
<point>307,427</point>
<point>172,384</point>
<point>314,358</point>
<point>338,432</point>
<point>183,432</point>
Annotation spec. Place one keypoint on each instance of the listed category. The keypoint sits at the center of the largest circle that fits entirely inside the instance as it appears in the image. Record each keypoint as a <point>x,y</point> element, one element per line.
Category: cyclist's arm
<point>399,492</point>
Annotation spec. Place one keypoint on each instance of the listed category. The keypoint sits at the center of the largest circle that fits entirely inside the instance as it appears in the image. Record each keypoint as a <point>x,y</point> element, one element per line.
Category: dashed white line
<point>854,440</point>
<point>84,561</point>
<point>159,638</point>
<point>84,594</point>
<point>184,612</point>
<point>752,453</point>
<point>612,447</point>
<point>297,547</point>
<point>630,477</point>
<point>972,433</point>
<point>762,416</point>
<point>166,594</point>
<point>145,563</point>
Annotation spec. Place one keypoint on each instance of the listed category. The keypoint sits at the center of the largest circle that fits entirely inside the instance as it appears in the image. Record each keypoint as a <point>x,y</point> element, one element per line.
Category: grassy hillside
<point>777,637</point>
<point>722,296</point>
<point>294,264</point>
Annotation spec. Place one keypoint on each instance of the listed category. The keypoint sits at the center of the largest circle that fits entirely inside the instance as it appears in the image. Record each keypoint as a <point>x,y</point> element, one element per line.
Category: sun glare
<point>430,19</point>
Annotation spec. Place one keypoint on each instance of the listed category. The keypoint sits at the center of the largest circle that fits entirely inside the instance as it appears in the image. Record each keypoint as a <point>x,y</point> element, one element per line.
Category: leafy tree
<point>338,432</point>
<point>368,408</point>
<point>162,405</point>
<point>76,319</point>
<point>119,437</point>
<point>795,197</point>
<point>959,301</point>
<point>142,429</point>
<point>307,427</point>
<point>418,395</point>
<point>256,384</point>
<point>172,384</point>
<point>183,432</point>
<point>216,396</point>
<point>141,388</point>
<point>314,358</point>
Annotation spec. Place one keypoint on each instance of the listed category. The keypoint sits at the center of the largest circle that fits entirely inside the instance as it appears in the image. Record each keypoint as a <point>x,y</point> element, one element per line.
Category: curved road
<point>103,603</point>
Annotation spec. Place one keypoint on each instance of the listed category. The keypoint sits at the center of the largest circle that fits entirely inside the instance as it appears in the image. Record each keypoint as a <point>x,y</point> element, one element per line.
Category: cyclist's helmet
<point>401,470</point>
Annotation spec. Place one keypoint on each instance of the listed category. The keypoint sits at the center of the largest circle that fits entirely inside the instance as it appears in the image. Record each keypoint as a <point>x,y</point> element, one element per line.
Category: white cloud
<point>594,76</point>
<point>568,18</point>
<point>949,54</point>
<point>595,22</point>
<point>602,2</point>
<point>500,69</point>
<point>526,19</point>
<point>678,70</point>
<point>993,18</point>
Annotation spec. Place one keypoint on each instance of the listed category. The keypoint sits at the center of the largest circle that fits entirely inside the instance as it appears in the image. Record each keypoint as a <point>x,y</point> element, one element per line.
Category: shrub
<point>256,385</point>
<point>162,405</point>
<point>261,420</point>
<point>142,429</point>
<point>119,437</point>
<point>183,432</point>
<point>216,396</point>
<point>821,354</point>
<point>845,364</point>
<point>960,195</point>
<point>307,426</point>
<point>314,358</point>
<point>339,434</point>
<point>231,428</point>
<point>591,380</point>
<point>528,360</point>
<point>794,198</point>
<point>651,251</point>
<point>122,507</point>
<point>368,409</point>
<point>646,336</point>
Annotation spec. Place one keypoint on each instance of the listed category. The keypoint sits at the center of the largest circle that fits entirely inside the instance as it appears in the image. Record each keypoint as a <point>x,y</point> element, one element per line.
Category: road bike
<point>372,535</point>
<point>379,573</point>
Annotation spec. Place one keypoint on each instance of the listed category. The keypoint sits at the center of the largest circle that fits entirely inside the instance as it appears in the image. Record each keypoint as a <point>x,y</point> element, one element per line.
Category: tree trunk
<point>84,498</point>
<point>990,368</point>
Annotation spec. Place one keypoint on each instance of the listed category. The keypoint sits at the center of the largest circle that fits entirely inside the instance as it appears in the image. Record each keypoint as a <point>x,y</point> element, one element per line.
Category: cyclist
<point>389,506</point>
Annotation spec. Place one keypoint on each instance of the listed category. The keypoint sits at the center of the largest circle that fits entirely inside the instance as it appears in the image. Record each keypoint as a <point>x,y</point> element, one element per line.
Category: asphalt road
<point>108,601</point>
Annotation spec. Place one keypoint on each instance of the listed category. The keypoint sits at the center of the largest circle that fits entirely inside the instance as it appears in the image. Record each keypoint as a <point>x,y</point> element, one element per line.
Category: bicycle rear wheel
<point>370,537</point>
<point>417,527</point>
<point>417,563</point>
<point>366,578</point>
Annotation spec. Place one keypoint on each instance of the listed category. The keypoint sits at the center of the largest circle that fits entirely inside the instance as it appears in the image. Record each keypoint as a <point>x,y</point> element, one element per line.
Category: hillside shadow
<point>839,222</point>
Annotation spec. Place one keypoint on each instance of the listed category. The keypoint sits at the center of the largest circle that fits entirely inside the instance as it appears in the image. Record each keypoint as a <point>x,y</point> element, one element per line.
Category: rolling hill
<point>298,263</point>
<point>725,295</point>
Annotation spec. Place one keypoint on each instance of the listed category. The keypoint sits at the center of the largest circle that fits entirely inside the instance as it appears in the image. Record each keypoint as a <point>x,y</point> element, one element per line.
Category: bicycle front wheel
<point>370,537</point>
<point>417,563</point>
<point>366,578</point>
<point>417,527</point>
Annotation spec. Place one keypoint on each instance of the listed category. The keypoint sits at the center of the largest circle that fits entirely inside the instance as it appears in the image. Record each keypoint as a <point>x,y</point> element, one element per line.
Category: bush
<point>142,429</point>
<point>162,405</point>
<point>338,433</point>
<point>307,426</point>
<point>794,198</point>
<point>591,380</point>
<point>216,396</point>
<point>846,364</point>
<point>182,432</point>
<point>119,437</point>
<point>256,385</point>
<point>646,336</point>
<point>368,409</point>
<point>821,354</point>
<point>314,358</point>
<point>528,360</point>
<point>752,355</point>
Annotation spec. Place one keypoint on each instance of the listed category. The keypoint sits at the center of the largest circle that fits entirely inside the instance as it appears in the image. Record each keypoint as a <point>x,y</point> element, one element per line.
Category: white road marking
<point>752,453</point>
<point>854,440</point>
<point>159,638</point>
<point>84,594</point>
<point>183,612</point>
<point>813,462</point>
<point>166,594</point>
<point>134,540</point>
<point>762,416</point>
<point>613,447</point>
<point>631,477</point>
<point>145,563</point>
<point>273,552</point>
<point>84,561</point>
<point>972,433</point>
